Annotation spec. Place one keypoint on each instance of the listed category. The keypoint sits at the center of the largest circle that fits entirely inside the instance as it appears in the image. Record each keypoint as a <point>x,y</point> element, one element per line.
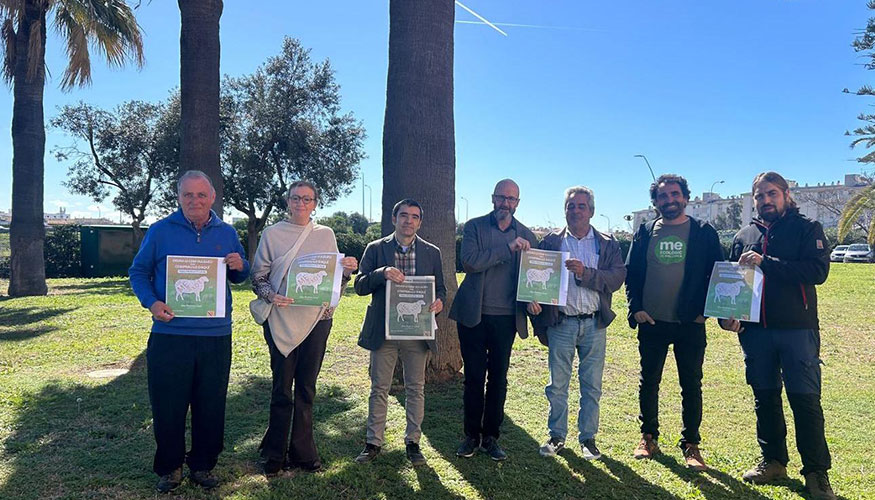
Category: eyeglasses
<point>510,199</point>
<point>306,200</point>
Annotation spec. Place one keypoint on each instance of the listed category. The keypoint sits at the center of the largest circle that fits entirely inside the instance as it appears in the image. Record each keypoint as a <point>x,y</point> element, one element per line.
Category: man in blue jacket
<point>188,359</point>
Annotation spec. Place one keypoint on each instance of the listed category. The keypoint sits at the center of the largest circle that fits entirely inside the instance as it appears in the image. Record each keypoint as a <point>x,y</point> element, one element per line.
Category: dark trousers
<point>183,371</point>
<point>291,399</point>
<point>486,349</point>
<point>774,356</point>
<point>689,352</point>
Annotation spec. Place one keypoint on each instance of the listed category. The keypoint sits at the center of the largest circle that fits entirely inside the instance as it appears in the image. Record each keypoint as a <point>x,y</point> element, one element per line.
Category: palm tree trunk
<point>27,233</point>
<point>199,90</point>
<point>419,149</point>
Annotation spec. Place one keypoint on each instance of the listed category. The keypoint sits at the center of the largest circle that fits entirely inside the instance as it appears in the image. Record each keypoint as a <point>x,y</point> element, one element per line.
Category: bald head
<point>505,199</point>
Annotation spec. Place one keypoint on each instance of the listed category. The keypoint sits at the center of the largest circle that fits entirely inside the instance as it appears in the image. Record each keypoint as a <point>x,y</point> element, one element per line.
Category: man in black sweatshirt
<point>792,252</point>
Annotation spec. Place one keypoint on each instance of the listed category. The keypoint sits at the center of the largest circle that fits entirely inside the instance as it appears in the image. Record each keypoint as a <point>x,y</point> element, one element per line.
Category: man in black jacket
<point>668,269</point>
<point>792,252</point>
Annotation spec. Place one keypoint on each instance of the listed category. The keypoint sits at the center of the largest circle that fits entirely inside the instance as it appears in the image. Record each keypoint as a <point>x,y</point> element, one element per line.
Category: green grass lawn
<point>65,435</point>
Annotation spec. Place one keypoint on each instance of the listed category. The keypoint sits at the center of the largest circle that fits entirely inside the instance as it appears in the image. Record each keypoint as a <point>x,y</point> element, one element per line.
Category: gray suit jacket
<point>371,280</point>
<point>479,253</point>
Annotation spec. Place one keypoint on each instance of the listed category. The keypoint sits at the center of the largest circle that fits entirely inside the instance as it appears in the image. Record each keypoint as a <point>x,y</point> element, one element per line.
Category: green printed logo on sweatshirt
<point>670,250</point>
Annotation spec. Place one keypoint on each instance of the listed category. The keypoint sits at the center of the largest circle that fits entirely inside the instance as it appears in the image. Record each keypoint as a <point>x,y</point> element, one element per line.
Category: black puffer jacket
<point>795,258</point>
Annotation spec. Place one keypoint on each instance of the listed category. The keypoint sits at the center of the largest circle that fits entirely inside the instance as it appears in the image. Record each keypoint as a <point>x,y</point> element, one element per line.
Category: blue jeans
<point>570,335</point>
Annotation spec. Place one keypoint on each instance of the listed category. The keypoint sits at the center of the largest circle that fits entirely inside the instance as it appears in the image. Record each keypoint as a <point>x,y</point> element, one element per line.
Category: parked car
<point>859,252</point>
<point>838,253</point>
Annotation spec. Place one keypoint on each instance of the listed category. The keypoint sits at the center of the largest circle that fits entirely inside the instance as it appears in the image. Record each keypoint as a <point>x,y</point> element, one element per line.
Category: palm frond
<point>861,201</point>
<point>8,35</point>
<point>108,24</point>
<point>78,72</point>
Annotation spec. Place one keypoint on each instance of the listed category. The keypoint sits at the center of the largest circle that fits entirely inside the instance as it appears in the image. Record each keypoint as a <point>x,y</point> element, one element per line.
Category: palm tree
<point>107,24</point>
<point>199,90</point>
<point>858,209</point>
<point>419,149</point>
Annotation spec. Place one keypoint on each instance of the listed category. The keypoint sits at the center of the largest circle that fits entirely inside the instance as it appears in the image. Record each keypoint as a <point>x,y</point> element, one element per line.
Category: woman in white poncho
<point>296,336</point>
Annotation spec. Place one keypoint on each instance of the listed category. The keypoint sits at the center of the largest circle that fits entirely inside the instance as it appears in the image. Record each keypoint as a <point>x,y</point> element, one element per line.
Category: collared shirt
<point>499,281</point>
<point>405,259</point>
<point>581,300</point>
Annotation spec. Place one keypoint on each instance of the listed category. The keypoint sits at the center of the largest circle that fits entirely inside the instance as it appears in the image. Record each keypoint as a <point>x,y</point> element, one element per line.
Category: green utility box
<point>107,250</point>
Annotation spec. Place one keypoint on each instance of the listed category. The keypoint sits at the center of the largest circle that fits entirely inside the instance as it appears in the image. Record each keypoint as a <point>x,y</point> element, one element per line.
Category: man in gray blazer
<point>488,315</point>
<point>400,254</point>
<point>581,324</point>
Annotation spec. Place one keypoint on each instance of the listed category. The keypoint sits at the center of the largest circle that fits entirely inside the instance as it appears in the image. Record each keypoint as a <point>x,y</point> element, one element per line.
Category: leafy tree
<point>108,25</point>
<point>731,219</point>
<point>419,142</point>
<point>128,153</point>
<point>373,232</point>
<point>199,56</point>
<point>358,223</point>
<point>338,221</point>
<point>282,124</point>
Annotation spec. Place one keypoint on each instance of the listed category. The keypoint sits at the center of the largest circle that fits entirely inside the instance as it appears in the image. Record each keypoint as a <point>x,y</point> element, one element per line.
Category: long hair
<point>776,179</point>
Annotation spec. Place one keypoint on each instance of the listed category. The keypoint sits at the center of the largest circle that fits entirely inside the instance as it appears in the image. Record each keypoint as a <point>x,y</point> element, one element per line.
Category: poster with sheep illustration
<point>407,314</point>
<point>314,279</point>
<point>195,286</point>
<point>543,277</point>
<point>735,291</point>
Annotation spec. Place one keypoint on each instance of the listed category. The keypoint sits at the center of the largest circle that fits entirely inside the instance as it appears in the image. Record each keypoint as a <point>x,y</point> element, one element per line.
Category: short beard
<point>770,216</point>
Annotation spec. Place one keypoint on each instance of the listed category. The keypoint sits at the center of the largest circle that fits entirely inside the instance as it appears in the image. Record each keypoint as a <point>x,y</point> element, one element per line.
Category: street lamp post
<point>466,207</point>
<point>711,201</point>
<point>609,223</point>
<point>370,203</point>
<point>648,165</point>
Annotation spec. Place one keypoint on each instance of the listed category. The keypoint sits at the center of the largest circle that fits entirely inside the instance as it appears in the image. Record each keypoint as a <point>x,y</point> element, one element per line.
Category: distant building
<point>60,218</point>
<point>822,202</point>
<point>62,215</point>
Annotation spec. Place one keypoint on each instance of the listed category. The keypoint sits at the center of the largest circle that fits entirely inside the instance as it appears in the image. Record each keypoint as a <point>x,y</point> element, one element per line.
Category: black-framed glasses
<point>306,200</point>
<point>510,199</point>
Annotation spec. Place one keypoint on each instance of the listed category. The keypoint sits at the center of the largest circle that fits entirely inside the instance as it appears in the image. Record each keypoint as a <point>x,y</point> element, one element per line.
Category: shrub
<point>63,250</point>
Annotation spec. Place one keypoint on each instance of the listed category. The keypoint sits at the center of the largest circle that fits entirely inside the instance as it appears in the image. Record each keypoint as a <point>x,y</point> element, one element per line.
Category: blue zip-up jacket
<point>175,235</point>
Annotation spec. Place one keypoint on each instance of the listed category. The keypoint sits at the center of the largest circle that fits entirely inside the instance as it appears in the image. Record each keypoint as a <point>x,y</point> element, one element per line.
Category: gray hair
<point>193,174</point>
<point>570,192</point>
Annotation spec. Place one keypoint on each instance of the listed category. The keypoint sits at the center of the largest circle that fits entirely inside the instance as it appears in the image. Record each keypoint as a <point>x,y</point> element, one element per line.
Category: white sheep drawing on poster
<point>730,290</point>
<point>409,309</point>
<point>541,276</point>
<point>309,279</point>
<point>184,286</point>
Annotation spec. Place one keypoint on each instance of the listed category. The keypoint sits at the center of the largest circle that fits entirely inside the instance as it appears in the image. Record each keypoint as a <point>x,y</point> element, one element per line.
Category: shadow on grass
<point>20,319</point>
<point>525,469</point>
<point>118,285</point>
<point>78,441</point>
<point>723,485</point>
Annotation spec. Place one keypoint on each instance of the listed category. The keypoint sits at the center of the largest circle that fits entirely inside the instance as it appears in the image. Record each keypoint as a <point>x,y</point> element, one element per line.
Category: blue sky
<point>710,90</point>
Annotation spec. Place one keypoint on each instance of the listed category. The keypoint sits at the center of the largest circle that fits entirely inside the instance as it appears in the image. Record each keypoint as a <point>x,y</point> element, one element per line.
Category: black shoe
<point>414,454</point>
<point>491,448</point>
<point>590,450</point>
<point>169,482</point>
<point>204,478</point>
<point>468,447</point>
<point>368,454</point>
<point>314,466</point>
<point>271,467</point>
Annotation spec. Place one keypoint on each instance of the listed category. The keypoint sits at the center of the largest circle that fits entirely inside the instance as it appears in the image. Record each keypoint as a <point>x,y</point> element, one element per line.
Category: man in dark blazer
<point>400,254</point>
<point>488,315</point>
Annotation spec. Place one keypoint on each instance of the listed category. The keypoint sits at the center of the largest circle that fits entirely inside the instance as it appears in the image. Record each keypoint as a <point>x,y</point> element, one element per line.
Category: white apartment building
<point>821,202</point>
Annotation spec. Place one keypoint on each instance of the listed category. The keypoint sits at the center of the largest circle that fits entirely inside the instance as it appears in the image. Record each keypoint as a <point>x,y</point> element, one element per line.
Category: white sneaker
<point>590,450</point>
<point>551,447</point>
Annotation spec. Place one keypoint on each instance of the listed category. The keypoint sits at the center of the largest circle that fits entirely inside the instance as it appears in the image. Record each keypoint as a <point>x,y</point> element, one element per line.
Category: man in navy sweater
<point>188,359</point>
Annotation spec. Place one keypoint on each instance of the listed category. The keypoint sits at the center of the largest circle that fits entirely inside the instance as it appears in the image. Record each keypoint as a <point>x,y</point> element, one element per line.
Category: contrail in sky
<point>478,16</point>
<point>537,26</point>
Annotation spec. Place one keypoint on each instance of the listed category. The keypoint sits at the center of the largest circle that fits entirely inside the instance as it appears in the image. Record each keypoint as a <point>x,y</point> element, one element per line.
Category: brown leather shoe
<point>765,472</point>
<point>647,447</point>
<point>817,484</point>
<point>693,457</point>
